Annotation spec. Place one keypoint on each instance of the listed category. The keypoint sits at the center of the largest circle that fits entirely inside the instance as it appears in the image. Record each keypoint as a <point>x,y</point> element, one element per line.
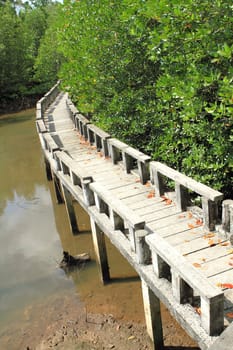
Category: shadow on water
<point>14,120</point>
<point>124,279</point>
<point>20,117</point>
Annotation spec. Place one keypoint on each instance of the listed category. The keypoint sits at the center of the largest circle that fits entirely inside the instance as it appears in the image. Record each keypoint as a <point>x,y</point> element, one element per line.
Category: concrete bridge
<point>166,225</point>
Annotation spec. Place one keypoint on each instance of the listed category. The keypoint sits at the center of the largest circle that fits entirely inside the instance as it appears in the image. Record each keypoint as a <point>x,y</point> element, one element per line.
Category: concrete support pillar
<point>152,316</point>
<point>48,170</point>
<point>100,251</point>
<point>70,210</point>
<point>58,190</point>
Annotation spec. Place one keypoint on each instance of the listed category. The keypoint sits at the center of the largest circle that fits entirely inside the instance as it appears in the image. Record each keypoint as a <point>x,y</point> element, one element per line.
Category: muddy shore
<point>65,323</point>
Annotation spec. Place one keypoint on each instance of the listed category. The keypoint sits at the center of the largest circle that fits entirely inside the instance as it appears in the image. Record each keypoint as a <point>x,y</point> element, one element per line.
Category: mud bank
<point>65,323</point>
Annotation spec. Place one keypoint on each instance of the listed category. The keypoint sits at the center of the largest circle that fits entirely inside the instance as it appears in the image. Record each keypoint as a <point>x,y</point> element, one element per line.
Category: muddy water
<point>34,291</point>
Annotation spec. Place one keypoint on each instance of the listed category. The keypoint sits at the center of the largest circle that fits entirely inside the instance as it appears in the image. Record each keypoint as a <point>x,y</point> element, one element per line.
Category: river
<point>34,231</point>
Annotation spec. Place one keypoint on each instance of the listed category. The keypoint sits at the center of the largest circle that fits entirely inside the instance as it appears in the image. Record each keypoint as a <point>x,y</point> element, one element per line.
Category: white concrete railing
<point>121,218</point>
<point>132,159</point>
<point>185,281</point>
<point>183,184</point>
<point>46,100</point>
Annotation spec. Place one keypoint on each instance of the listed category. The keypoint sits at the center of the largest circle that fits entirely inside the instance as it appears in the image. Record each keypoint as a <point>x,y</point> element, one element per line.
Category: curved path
<point>177,246</point>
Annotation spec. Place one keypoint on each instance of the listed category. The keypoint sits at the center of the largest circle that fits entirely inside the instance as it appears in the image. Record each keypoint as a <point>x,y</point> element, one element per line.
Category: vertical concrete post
<point>100,251</point>
<point>98,142</point>
<point>48,170</point>
<point>127,161</point>
<point>116,220</point>
<point>152,316</point>
<point>182,196</point>
<point>231,218</point>
<point>212,314</point>
<point>143,169</point>
<point>90,134</point>
<point>85,133</point>
<point>101,205</point>
<point>143,253</point>
<point>105,147</point>
<point>58,190</point>
<point>158,182</point>
<point>210,211</point>
<point>226,215</point>
<point>70,210</point>
<point>160,267</point>
<point>87,193</point>
<point>115,154</point>
<point>181,290</point>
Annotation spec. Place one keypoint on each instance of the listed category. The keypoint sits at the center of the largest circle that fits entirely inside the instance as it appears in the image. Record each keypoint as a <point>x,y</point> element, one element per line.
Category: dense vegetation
<point>156,74</point>
<point>22,29</point>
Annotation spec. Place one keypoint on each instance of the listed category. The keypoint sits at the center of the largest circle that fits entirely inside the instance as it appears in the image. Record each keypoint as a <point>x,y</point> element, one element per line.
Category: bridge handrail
<point>79,120</point>
<point>110,146</point>
<point>183,183</point>
<point>120,215</point>
<point>68,166</point>
<point>98,138</point>
<point>131,157</point>
<point>50,144</point>
<point>46,100</point>
<point>185,279</point>
<point>186,181</point>
<point>41,128</point>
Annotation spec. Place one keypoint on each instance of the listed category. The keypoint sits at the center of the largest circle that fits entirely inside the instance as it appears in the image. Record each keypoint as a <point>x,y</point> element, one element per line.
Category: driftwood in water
<point>72,261</point>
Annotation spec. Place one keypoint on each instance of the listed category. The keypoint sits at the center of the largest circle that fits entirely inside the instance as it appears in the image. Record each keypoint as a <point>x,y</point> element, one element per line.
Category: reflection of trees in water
<point>20,157</point>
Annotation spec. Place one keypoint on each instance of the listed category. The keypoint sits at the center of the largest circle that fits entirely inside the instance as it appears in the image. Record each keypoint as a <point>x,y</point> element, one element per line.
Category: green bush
<point>158,75</point>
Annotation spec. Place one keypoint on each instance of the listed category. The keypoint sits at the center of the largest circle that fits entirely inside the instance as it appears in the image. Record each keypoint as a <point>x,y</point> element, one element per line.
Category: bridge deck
<point>210,254</point>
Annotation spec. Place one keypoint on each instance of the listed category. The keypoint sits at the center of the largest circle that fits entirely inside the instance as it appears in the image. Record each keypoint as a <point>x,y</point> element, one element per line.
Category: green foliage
<point>14,62</point>
<point>157,74</point>
<point>49,59</point>
<point>22,28</point>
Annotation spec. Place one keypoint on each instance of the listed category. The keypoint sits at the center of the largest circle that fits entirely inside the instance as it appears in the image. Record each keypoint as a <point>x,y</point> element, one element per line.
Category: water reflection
<point>29,251</point>
<point>34,231</point>
<point>20,157</point>
<point>29,244</point>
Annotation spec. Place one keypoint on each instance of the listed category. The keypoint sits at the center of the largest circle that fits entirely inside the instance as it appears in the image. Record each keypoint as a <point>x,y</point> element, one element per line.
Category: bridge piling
<point>48,170</point>
<point>152,316</point>
<point>70,210</point>
<point>100,251</point>
<point>58,190</point>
